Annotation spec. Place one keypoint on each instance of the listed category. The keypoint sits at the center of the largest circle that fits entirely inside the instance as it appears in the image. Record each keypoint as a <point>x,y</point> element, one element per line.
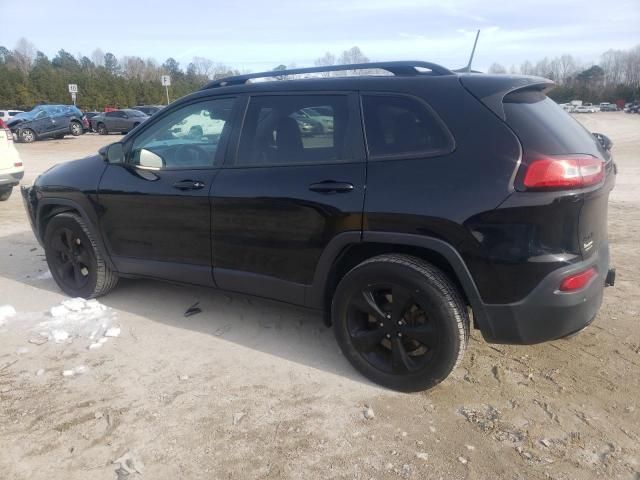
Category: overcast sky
<point>254,35</point>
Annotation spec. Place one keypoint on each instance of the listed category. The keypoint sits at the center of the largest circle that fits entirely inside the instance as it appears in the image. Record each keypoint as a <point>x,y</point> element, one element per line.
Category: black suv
<point>434,198</point>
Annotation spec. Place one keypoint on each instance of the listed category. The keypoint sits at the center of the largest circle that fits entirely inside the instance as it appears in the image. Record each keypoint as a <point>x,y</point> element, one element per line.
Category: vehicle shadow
<point>278,329</point>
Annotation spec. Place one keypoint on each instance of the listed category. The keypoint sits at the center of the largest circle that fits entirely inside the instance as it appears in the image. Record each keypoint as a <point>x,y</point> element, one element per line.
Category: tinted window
<point>134,113</point>
<point>544,127</point>
<point>111,114</point>
<point>186,138</point>
<point>293,129</point>
<point>397,125</point>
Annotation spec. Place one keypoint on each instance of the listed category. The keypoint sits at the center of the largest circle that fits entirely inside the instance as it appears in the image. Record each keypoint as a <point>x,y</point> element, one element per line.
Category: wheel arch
<point>347,251</point>
<point>50,207</point>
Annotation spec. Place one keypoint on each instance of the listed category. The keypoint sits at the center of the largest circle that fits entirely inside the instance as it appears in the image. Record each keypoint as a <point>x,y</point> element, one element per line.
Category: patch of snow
<point>112,332</point>
<point>45,276</point>
<point>77,318</point>
<point>68,373</point>
<point>59,336</point>
<point>6,311</point>
<point>22,350</point>
<point>40,372</point>
<point>94,346</point>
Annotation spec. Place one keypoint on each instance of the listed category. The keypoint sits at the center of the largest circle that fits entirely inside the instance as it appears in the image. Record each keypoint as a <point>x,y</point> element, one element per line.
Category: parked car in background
<point>11,168</point>
<point>632,108</point>
<point>89,116</point>
<point>592,108</point>
<point>584,109</point>
<point>435,196</point>
<point>567,107</point>
<point>47,121</point>
<point>7,115</point>
<point>608,107</point>
<point>148,109</point>
<point>118,121</point>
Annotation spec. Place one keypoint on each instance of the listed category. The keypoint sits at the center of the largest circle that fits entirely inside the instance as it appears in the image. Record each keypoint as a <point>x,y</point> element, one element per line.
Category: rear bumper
<point>12,179</point>
<point>546,313</point>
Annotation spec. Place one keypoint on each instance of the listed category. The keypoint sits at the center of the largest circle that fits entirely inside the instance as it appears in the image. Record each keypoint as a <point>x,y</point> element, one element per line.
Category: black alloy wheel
<point>390,329</point>
<point>400,321</point>
<point>74,258</point>
<point>71,260</point>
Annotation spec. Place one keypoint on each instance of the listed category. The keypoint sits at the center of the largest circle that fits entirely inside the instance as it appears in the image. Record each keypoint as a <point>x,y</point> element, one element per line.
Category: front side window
<point>294,129</point>
<point>402,126</point>
<point>186,138</point>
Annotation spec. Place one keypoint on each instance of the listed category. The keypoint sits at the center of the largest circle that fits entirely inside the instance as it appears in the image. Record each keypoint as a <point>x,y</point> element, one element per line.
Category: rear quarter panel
<point>440,196</point>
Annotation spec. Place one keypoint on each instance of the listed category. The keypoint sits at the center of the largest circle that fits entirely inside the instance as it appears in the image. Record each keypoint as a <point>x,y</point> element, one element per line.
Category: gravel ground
<point>254,389</point>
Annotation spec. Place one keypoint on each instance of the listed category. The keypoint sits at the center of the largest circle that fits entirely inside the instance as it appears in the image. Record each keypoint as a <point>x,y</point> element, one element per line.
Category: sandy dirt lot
<point>254,389</point>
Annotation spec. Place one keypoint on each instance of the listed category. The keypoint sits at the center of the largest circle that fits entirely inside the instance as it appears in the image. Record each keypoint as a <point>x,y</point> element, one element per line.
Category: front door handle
<point>189,185</point>
<point>329,186</point>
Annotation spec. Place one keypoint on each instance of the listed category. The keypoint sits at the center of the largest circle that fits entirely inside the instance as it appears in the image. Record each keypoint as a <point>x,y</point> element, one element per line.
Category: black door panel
<point>297,182</point>
<point>267,221</point>
<point>156,212</point>
<point>145,217</point>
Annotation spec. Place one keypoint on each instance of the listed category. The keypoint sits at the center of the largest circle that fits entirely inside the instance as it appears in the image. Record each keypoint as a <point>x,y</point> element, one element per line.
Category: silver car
<point>121,121</point>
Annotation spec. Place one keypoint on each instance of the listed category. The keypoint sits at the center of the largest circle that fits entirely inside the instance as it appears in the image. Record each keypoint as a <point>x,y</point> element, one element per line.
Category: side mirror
<point>604,141</point>
<point>113,153</point>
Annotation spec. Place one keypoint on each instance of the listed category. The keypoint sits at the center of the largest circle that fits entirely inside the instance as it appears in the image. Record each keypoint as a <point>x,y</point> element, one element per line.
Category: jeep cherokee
<point>435,199</point>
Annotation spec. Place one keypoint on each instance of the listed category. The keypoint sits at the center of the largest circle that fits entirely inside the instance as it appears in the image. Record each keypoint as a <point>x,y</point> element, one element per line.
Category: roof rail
<point>396,68</point>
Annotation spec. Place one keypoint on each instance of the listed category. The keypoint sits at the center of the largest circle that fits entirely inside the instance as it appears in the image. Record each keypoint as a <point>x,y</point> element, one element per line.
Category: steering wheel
<point>196,154</point>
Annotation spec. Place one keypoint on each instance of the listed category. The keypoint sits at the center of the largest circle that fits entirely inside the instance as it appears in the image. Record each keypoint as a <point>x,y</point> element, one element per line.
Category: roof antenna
<point>473,51</point>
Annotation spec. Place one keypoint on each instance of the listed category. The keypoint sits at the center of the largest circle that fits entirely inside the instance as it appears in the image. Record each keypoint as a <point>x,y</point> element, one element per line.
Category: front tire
<point>400,321</point>
<point>76,129</point>
<point>27,136</point>
<point>74,258</point>
<point>5,193</point>
<point>102,129</point>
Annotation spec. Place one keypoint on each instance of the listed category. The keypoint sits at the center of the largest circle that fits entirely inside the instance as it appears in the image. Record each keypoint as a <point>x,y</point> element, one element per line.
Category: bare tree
<point>497,68</point>
<point>24,54</point>
<point>97,57</point>
<point>132,67</point>
<point>567,68</point>
<point>326,60</point>
<point>203,66</point>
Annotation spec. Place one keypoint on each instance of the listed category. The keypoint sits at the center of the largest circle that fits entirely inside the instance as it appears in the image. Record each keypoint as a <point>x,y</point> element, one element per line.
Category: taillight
<point>17,164</point>
<point>562,172</point>
<point>3,126</point>
<point>577,281</point>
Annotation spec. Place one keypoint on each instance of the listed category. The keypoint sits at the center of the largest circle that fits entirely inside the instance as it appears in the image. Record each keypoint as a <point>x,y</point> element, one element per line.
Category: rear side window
<point>544,127</point>
<point>294,129</point>
<point>399,126</point>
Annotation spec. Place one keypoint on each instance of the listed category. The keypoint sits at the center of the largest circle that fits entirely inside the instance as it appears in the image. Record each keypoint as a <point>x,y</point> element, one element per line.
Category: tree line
<point>28,77</point>
<point>615,77</point>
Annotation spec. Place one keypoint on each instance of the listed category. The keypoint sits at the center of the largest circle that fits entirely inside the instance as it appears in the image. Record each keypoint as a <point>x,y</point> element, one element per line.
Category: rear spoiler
<point>491,89</point>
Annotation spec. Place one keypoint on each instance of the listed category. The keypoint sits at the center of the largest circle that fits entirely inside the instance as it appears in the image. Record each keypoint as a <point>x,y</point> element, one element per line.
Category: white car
<point>584,109</point>
<point>11,169</point>
<point>7,115</point>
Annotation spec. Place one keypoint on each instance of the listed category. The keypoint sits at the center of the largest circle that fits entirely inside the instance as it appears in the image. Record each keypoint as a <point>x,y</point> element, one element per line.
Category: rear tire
<point>400,321</point>
<point>102,129</point>
<point>74,258</point>
<point>5,193</point>
<point>27,136</point>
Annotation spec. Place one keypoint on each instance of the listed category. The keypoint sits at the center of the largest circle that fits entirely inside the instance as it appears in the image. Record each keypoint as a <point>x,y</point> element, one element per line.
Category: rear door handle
<point>189,185</point>
<point>329,186</point>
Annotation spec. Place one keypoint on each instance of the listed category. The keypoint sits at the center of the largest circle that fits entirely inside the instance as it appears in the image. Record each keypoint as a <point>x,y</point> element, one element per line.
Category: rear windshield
<point>544,127</point>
